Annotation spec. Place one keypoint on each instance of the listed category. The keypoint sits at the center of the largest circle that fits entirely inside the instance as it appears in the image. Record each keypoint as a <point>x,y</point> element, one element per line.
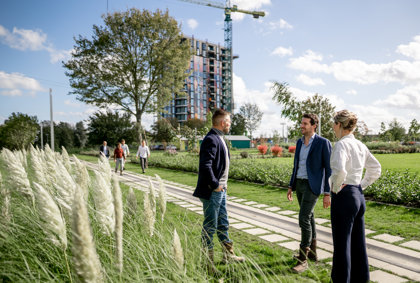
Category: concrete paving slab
<point>412,244</point>
<point>323,254</point>
<point>196,208</point>
<point>321,220</point>
<point>231,198</point>
<point>286,212</point>
<point>293,245</point>
<point>274,238</point>
<point>179,202</point>
<point>368,231</point>
<point>239,200</point>
<point>256,231</point>
<point>388,238</point>
<point>260,205</point>
<point>384,277</point>
<point>200,212</point>
<point>187,205</point>
<point>233,220</point>
<point>394,269</point>
<point>241,225</point>
<point>250,202</point>
<point>273,209</point>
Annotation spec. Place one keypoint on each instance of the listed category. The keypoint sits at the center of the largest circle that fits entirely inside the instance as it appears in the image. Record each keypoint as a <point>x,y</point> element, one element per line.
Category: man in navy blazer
<point>104,149</point>
<point>311,170</point>
<point>212,186</point>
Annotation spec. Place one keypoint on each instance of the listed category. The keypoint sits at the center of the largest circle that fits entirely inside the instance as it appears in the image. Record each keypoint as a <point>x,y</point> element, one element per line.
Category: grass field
<point>395,220</point>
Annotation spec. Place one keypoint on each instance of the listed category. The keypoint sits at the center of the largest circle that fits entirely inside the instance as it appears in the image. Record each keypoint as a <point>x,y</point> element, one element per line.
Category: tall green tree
<point>414,130</point>
<point>163,131</point>
<point>18,131</point>
<point>293,109</point>
<point>396,130</point>
<point>64,135</point>
<point>238,125</point>
<point>80,135</point>
<point>111,127</point>
<point>136,61</point>
<point>252,115</point>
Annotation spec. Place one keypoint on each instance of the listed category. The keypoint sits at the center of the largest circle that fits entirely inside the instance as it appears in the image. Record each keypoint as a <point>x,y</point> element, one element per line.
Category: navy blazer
<point>101,149</point>
<point>212,165</point>
<point>317,165</point>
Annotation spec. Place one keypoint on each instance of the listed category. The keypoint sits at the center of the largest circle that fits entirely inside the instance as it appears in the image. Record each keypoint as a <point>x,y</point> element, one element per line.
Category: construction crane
<point>227,57</point>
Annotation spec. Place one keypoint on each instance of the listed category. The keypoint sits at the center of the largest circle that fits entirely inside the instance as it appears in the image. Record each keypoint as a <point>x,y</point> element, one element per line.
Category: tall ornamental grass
<point>41,242</point>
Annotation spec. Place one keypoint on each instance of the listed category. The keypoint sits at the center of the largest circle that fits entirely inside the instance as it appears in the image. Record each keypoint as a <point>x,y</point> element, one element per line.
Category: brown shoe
<point>229,254</point>
<point>302,263</point>
<point>312,253</point>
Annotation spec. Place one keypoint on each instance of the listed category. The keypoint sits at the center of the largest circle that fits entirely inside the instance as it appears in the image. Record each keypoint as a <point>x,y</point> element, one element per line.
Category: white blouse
<point>143,152</point>
<point>348,158</point>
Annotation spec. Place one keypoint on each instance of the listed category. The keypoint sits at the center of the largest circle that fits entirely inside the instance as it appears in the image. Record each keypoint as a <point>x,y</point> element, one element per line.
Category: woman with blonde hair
<point>348,159</point>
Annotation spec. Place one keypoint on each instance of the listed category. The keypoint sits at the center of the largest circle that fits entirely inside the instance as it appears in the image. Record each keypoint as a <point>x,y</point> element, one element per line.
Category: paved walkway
<point>396,259</point>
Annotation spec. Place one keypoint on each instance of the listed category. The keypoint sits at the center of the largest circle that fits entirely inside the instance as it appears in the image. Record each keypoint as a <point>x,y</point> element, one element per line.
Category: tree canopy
<point>18,131</point>
<point>136,61</point>
<point>238,125</point>
<point>252,116</point>
<point>293,109</point>
<point>111,127</point>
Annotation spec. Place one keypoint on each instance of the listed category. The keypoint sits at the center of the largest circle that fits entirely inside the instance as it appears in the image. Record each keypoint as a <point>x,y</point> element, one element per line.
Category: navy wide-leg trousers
<point>350,262</point>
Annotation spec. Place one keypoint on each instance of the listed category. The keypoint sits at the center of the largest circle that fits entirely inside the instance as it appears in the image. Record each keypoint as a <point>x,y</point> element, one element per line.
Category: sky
<point>363,56</point>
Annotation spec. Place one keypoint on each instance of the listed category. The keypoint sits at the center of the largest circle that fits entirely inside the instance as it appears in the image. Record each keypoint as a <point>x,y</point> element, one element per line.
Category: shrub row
<point>392,187</point>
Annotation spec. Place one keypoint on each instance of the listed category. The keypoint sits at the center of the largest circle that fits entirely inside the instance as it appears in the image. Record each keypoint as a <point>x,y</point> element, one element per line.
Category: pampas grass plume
<point>118,222</point>
<point>177,250</point>
<point>86,260</point>
<point>162,197</point>
<point>53,223</point>
<point>131,202</point>
<point>104,206</point>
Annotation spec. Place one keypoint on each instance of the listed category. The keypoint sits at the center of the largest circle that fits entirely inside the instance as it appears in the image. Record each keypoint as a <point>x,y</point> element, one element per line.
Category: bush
<point>262,148</point>
<point>276,150</point>
<point>244,154</point>
<point>292,149</point>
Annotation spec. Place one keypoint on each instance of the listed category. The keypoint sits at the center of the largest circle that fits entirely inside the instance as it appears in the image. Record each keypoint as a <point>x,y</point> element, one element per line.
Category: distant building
<point>204,88</point>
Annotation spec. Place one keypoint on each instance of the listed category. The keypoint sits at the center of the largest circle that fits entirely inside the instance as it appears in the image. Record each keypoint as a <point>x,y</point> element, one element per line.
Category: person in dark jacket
<point>104,149</point>
<point>212,187</point>
<point>311,170</point>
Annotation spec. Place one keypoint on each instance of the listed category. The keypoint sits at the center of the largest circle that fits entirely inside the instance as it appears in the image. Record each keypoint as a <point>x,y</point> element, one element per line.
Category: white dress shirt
<point>143,151</point>
<point>348,158</point>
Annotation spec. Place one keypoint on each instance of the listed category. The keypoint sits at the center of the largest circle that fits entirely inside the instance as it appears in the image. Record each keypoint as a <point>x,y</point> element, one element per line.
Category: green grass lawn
<point>395,220</point>
<point>400,162</point>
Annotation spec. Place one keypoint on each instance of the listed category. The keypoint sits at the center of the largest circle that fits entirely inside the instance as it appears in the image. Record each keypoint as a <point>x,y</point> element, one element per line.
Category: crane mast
<point>227,57</point>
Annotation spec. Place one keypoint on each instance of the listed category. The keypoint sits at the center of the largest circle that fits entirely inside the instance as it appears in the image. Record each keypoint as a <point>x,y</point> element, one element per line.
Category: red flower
<point>292,149</point>
<point>262,148</point>
<point>276,150</point>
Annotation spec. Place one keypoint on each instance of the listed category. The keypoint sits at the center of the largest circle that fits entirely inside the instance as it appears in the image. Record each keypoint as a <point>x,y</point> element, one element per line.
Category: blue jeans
<point>215,219</point>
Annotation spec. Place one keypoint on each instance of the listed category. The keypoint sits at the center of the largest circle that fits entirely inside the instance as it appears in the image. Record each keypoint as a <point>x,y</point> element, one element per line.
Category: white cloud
<point>249,5</point>
<point>405,98</point>
<point>351,92</point>
<point>309,62</point>
<point>280,24</point>
<point>282,51</point>
<point>412,49</point>
<point>192,23</point>
<point>306,80</point>
<point>33,40</point>
<point>16,84</point>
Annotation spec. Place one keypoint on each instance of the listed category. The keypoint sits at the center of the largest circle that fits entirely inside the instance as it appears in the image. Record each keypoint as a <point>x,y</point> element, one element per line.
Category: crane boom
<point>227,57</point>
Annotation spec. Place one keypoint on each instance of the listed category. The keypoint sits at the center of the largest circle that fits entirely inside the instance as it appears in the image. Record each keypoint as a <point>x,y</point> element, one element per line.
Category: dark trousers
<point>143,163</point>
<point>350,262</point>
<point>307,200</point>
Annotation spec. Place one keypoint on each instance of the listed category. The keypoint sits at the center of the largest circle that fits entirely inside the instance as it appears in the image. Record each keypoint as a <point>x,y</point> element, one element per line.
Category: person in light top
<point>143,152</point>
<point>126,151</point>
<point>348,159</point>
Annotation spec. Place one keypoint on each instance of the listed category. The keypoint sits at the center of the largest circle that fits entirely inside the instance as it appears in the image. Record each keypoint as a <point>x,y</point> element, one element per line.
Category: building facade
<point>205,88</point>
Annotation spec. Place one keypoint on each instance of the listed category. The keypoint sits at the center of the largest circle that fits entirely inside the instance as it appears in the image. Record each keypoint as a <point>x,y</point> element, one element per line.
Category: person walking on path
<point>126,151</point>
<point>212,187</point>
<point>104,149</point>
<point>311,170</point>
<point>348,159</point>
<point>143,152</point>
<point>119,158</point>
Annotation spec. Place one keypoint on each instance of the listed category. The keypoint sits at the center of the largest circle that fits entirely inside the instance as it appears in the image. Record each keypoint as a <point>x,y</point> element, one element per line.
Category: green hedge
<point>392,187</point>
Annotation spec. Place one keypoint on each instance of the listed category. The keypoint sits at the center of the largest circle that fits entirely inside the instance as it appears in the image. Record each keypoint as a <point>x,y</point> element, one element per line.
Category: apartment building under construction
<point>207,86</point>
